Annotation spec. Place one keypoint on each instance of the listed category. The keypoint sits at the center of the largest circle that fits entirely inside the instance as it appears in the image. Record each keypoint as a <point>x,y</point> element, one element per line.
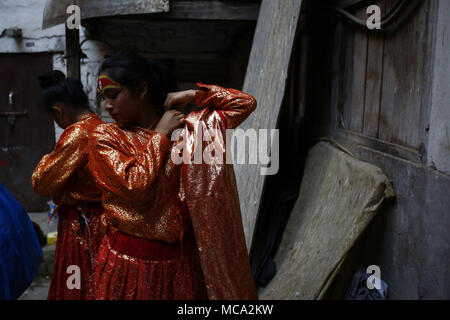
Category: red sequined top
<point>64,173</point>
<point>140,182</point>
<point>143,187</point>
<point>128,164</point>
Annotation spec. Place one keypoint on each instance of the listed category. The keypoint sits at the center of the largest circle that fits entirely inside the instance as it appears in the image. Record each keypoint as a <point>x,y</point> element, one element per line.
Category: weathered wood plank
<point>266,80</point>
<point>339,77</point>
<point>374,78</point>
<point>438,149</point>
<point>105,8</point>
<point>213,10</point>
<point>355,77</point>
<point>403,152</point>
<point>338,198</point>
<point>73,53</point>
<point>359,77</point>
<point>406,63</point>
<point>345,110</point>
<point>55,11</point>
<point>170,36</point>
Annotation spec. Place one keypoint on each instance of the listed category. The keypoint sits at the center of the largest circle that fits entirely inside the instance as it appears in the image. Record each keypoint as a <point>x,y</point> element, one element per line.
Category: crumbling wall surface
<point>27,15</point>
<point>339,196</point>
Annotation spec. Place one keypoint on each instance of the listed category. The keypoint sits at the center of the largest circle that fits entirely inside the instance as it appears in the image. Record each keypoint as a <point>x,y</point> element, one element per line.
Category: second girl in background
<point>64,174</point>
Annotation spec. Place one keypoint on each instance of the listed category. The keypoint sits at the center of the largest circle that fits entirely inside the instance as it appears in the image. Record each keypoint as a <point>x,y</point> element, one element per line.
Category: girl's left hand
<point>179,99</point>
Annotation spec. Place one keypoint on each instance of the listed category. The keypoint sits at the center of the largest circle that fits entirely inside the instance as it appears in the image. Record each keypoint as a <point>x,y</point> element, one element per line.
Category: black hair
<point>131,70</point>
<point>59,89</point>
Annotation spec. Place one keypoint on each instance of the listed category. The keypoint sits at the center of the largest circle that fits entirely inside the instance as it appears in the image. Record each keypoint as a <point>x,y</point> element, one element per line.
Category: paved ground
<point>39,288</point>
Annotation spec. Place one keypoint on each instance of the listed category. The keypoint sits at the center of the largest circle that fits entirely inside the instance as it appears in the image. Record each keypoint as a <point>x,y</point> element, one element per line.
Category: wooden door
<point>26,131</point>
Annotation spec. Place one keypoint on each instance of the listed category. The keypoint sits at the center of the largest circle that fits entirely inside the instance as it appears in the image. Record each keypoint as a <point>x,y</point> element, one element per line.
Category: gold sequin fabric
<point>142,187</point>
<point>76,246</point>
<point>212,197</point>
<point>120,276</point>
<point>139,195</point>
<point>64,173</point>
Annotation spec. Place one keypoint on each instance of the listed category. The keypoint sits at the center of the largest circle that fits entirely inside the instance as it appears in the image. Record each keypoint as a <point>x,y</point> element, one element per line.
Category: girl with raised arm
<point>174,229</point>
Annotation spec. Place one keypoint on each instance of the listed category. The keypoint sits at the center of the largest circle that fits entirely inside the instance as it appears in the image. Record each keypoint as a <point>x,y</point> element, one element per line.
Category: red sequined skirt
<point>79,238</point>
<point>132,268</point>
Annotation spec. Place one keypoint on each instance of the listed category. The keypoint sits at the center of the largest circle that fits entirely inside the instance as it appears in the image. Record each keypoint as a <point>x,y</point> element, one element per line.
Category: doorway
<point>26,131</point>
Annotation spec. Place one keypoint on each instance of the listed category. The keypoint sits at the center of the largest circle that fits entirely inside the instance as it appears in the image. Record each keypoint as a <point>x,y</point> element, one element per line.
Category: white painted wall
<point>27,15</point>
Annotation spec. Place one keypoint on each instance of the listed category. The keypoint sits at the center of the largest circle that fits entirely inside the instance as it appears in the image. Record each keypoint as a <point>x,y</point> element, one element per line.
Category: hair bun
<point>161,71</point>
<point>51,78</point>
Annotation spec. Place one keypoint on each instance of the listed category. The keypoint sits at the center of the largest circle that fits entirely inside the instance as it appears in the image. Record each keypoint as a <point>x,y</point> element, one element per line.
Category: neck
<point>148,117</point>
<point>82,115</point>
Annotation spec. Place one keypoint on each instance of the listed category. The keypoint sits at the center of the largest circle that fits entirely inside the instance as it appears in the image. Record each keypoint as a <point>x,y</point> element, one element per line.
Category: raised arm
<point>120,168</point>
<point>233,105</point>
<point>54,169</point>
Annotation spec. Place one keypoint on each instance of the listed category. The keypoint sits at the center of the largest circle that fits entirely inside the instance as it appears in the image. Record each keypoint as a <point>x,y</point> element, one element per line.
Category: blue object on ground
<point>20,251</point>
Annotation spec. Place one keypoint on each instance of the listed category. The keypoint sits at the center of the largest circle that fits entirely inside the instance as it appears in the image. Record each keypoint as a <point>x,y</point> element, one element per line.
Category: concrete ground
<point>39,287</point>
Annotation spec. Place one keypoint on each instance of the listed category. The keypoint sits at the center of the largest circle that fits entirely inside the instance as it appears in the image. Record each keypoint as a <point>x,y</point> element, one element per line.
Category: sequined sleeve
<point>232,105</point>
<point>54,169</point>
<point>120,168</point>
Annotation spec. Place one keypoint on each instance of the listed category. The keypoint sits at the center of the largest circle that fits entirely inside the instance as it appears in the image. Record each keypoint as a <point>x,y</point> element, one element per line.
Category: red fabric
<point>132,268</point>
<point>222,117</point>
<point>141,184</point>
<point>73,247</point>
<point>212,197</point>
<point>148,249</point>
<point>143,248</point>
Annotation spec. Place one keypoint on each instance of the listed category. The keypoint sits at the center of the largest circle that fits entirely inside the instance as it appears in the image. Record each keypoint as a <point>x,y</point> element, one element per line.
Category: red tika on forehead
<point>105,82</point>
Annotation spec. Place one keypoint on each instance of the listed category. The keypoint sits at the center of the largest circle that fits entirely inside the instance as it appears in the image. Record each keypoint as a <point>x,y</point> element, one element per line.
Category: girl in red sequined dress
<point>64,174</point>
<point>174,229</point>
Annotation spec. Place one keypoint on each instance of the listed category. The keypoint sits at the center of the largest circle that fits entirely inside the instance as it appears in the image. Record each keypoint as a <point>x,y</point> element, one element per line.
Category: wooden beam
<point>73,53</point>
<point>213,10</point>
<point>55,11</point>
<point>266,80</point>
<point>107,8</point>
<point>349,138</point>
<point>169,36</point>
